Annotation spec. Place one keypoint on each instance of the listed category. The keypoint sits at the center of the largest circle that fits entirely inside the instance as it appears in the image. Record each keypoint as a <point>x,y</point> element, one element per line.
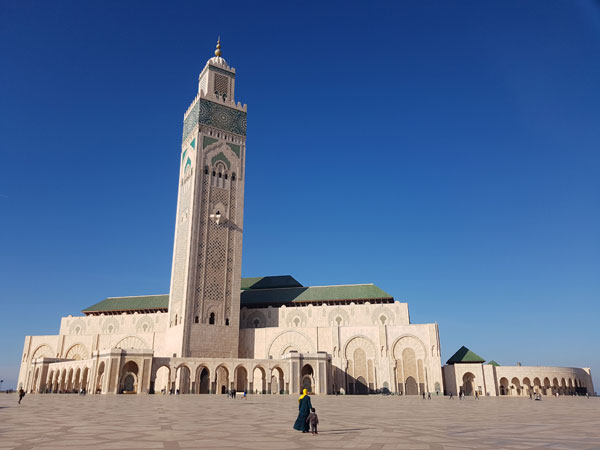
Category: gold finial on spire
<point>218,50</point>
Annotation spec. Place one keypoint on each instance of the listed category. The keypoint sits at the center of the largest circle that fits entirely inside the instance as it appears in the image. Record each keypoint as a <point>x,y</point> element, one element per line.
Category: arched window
<point>211,320</point>
<point>219,175</point>
<point>233,177</point>
<point>227,322</point>
<point>196,319</point>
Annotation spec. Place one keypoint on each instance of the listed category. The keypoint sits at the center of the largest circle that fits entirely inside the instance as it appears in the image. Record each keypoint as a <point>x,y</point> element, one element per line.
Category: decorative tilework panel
<point>215,115</point>
<point>235,149</point>
<point>190,121</point>
<point>206,141</point>
<point>220,157</point>
<point>222,117</point>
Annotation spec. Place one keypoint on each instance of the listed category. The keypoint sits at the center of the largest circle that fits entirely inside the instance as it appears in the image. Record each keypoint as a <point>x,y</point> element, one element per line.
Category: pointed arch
<point>43,351</point>
<point>77,351</point>
<point>132,342</point>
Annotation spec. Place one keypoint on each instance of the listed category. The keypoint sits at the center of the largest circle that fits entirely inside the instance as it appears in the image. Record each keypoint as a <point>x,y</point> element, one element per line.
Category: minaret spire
<point>218,50</point>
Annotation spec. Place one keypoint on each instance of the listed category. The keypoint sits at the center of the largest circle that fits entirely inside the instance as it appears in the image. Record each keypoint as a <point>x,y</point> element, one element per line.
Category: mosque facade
<point>216,331</point>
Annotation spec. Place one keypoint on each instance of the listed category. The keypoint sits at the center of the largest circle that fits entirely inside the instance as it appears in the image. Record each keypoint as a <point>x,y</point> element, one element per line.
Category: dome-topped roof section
<point>217,59</point>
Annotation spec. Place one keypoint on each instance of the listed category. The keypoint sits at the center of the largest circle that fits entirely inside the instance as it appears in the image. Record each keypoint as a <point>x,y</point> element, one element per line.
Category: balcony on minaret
<point>217,80</point>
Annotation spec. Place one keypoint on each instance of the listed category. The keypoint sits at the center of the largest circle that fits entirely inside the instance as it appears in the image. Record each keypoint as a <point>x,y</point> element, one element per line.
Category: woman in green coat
<point>304,407</point>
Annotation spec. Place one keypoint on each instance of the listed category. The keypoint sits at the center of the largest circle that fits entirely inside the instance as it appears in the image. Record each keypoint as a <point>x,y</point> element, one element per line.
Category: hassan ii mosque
<point>216,331</point>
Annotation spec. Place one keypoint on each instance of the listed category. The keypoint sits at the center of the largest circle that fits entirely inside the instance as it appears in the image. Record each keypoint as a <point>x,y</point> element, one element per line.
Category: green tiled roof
<point>279,281</point>
<point>493,363</point>
<point>143,302</point>
<point>256,292</point>
<point>282,296</point>
<point>464,355</point>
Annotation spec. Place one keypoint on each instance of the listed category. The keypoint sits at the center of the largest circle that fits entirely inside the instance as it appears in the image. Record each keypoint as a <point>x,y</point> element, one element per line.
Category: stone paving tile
<point>48,422</point>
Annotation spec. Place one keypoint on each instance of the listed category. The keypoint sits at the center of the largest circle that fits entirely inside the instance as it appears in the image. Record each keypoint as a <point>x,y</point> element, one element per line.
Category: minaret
<point>204,303</point>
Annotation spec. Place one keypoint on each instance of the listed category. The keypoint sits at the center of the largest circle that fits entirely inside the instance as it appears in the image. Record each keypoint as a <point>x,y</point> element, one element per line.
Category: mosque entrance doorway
<point>241,379</point>
<point>504,386</point>
<point>129,383</point>
<point>361,386</point>
<point>411,386</point>
<point>204,381</point>
<point>277,386</point>
<point>468,383</point>
<point>308,381</point>
<point>222,380</point>
<point>129,374</point>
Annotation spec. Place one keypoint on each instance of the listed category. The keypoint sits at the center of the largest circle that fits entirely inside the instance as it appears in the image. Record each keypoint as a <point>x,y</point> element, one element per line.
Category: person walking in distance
<point>304,409</point>
<point>21,395</point>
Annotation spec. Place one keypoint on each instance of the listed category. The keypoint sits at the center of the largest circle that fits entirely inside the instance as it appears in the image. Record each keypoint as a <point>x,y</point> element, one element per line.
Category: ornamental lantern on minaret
<point>204,301</point>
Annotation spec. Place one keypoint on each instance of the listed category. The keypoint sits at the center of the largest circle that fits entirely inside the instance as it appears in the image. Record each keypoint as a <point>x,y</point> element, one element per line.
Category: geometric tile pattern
<point>215,115</point>
<point>102,422</point>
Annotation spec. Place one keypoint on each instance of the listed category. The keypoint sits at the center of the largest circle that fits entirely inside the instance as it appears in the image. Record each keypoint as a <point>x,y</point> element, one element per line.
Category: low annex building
<point>215,331</point>
<point>467,372</point>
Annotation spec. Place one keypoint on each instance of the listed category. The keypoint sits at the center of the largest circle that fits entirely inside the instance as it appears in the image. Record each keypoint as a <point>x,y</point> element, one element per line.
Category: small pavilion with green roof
<point>464,355</point>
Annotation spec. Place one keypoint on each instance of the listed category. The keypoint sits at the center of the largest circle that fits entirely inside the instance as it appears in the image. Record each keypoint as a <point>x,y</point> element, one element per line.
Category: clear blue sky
<point>447,151</point>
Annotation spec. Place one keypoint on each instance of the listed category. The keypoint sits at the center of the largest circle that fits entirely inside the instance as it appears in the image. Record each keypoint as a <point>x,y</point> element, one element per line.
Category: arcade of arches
<point>515,381</point>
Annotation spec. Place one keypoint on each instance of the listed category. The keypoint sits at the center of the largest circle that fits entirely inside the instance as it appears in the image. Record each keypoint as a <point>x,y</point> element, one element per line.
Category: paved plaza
<point>265,422</point>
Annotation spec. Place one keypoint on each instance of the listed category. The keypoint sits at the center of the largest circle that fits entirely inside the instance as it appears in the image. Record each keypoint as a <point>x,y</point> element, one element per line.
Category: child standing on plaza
<point>313,420</point>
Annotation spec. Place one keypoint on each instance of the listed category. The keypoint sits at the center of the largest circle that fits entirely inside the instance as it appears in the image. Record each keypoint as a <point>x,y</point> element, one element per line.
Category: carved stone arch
<point>295,318</point>
<point>77,351</point>
<point>110,326</point>
<point>211,309</point>
<point>220,165</point>
<point>186,365</point>
<point>259,366</point>
<point>338,313</point>
<point>132,342</point>
<point>144,325</point>
<point>284,370</point>
<point>244,365</point>
<point>359,341</point>
<point>251,320</point>
<point>223,375</point>
<point>287,339</point>
<point>200,367</point>
<point>226,366</point>
<point>409,341</point>
<point>43,351</point>
<point>382,310</point>
<point>221,147</point>
<point>77,327</point>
